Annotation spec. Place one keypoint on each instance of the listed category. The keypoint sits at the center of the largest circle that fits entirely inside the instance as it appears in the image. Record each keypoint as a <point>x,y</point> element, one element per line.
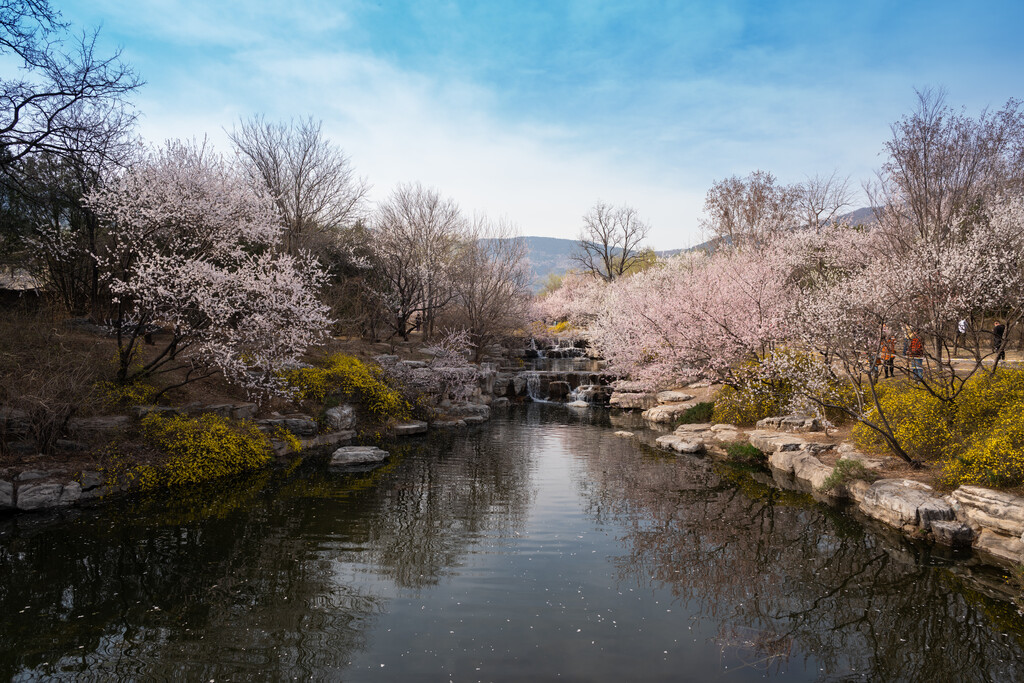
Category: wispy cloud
<point>535,110</point>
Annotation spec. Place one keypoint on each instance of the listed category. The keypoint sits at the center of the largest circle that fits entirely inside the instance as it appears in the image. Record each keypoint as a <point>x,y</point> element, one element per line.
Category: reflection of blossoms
<point>195,250</point>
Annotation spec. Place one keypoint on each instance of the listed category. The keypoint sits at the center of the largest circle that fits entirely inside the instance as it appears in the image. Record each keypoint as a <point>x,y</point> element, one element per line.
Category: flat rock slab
<point>358,455</point>
<point>995,510</point>
<point>666,413</point>
<point>674,397</point>
<point>770,441</point>
<point>696,428</point>
<point>448,424</point>
<point>632,401</point>
<point>905,504</point>
<point>411,427</point>
<point>624,434</point>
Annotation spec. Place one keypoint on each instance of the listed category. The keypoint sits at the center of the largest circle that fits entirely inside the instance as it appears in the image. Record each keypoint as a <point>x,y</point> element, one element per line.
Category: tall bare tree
<point>63,95</point>
<point>491,283</point>
<point>945,167</point>
<point>610,241</point>
<point>748,211</point>
<point>416,234</point>
<point>819,199</point>
<point>311,178</point>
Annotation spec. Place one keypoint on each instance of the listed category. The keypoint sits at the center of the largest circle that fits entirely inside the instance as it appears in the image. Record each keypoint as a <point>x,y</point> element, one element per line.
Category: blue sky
<point>535,110</point>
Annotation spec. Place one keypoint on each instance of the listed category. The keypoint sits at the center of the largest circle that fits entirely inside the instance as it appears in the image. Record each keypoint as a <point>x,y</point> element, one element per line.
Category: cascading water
<point>533,386</point>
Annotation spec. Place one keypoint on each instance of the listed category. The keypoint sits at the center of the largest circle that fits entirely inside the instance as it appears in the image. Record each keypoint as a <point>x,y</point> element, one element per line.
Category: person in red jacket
<point>915,353</point>
<point>888,353</point>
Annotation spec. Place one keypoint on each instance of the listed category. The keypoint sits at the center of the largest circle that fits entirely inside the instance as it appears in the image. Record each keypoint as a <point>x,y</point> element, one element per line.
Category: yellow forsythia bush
<point>751,402</point>
<point>353,378</point>
<point>201,448</point>
<point>994,458</point>
<point>920,422</point>
<point>989,427</point>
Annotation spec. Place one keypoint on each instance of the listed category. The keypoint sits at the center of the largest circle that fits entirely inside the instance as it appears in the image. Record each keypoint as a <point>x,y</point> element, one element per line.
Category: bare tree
<point>64,94</point>
<point>609,242</point>
<point>491,283</point>
<point>311,178</point>
<point>819,199</point>
<point>945,167</point>
<point>742,211</point>
<point>416,234</point>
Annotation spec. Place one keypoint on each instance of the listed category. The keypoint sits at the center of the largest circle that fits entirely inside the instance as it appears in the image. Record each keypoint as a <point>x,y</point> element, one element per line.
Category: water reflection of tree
<point>262,576</point>
<point>755,559</point>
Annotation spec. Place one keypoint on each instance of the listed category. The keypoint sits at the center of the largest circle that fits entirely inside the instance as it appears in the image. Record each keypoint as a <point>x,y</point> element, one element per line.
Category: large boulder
<point>40,496</point>
<point>298,424</point>
<point>340,417</point>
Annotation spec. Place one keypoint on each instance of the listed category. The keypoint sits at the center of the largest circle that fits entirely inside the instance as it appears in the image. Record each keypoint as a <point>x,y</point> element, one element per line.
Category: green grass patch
<point>745,454</point>
<point>697,414</point>
<point>846,471</point>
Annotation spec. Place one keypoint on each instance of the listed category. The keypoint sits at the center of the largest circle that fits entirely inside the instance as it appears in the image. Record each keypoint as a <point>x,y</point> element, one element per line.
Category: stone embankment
<point>971,516</point>
<point>48,484</point>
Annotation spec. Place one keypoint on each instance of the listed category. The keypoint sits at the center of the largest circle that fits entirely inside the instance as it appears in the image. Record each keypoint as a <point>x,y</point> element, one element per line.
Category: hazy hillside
<point>548,255</point>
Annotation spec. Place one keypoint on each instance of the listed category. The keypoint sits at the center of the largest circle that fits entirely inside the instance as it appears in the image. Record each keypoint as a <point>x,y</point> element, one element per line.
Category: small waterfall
<point>533,386</point>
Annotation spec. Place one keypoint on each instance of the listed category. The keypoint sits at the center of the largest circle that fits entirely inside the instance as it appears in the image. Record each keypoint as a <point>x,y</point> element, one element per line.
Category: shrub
<point>697,414</point>
<point>120,395</point>
<point>984,397</point>
<point>745,454</point>
<point>561,328</point>
<point>995,454</point>
<point>349,376</point>
<point>775,385</point>
<point>748,403</point>
<point>201,448</point>
<point>846,471</point>
<point>920,422</point>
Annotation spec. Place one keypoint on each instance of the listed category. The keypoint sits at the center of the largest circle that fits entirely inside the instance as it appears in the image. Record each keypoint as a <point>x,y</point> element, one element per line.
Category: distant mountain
<point>548,255</point>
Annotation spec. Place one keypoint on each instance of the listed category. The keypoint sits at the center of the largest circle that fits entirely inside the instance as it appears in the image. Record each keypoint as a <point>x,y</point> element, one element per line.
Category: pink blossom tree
<point>695,316</point>
<point>848,316</point>
<point>195,261</point>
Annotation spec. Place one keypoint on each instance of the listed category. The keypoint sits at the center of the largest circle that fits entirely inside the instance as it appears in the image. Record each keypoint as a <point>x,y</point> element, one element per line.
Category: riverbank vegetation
<point>179,274</point>
<point>899,323</point>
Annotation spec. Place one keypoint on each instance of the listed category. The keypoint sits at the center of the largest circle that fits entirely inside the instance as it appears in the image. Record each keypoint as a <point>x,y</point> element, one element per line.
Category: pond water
<point>536,547</point>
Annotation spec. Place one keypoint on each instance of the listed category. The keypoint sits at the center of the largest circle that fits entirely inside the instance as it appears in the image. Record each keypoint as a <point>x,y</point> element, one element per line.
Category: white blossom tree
<point>196,257</point>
